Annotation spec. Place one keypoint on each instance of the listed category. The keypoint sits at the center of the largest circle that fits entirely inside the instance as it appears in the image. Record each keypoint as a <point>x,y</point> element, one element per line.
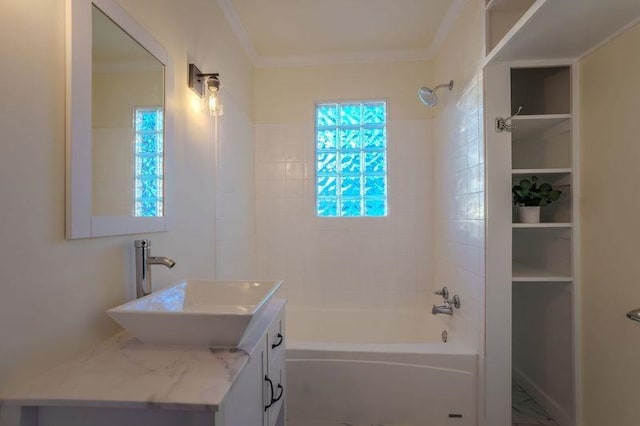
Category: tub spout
<point>448,306</point>
<point>442,309</point>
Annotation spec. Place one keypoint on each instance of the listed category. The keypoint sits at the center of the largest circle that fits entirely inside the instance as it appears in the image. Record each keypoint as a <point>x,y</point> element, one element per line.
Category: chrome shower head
<point>428,96</point>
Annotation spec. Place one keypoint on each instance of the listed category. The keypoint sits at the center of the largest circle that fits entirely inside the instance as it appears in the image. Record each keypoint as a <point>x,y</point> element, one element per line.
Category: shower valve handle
<point>444,293</point>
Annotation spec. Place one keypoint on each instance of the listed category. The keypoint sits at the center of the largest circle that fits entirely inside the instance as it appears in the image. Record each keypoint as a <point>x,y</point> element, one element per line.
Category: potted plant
<point>529,196</point>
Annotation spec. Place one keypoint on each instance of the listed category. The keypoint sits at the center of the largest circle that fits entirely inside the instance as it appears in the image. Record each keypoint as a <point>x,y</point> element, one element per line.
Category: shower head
<point>428,96</point>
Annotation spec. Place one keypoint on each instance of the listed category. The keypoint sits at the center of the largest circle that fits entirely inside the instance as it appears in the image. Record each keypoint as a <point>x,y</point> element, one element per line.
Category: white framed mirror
<point>118,126</point>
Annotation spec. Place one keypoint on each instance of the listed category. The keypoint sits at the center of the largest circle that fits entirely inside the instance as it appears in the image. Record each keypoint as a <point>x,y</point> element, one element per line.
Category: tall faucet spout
<point>144,260</point>
<point>161,260</point>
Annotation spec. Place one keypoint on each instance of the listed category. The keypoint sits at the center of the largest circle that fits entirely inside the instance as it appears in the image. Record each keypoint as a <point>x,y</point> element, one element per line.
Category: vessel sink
<point>196,312</point>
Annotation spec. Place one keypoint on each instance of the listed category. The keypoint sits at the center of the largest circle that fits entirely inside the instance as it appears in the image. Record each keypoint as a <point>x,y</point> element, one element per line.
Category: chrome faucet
<point>144,260</point>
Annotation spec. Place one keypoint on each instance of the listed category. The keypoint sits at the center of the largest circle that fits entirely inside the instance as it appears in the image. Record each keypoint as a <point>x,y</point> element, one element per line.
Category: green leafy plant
<point>530,193</point>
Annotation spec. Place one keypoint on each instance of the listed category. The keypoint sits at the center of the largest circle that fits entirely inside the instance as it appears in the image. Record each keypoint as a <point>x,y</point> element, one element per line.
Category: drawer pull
<point>268,380</point>
<point>279,342</point>
<point>279,397</point>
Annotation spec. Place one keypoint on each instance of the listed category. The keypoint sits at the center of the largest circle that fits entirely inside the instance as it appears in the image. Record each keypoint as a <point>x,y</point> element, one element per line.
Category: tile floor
<point>525,411</point>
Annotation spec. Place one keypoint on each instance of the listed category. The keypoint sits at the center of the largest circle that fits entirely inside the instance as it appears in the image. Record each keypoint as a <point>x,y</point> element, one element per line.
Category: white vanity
<point>126,382</point>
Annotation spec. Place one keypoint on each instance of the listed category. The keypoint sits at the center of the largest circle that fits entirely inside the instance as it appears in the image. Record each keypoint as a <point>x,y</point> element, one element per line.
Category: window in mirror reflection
<point>148,155</point>
<point>127,84</point>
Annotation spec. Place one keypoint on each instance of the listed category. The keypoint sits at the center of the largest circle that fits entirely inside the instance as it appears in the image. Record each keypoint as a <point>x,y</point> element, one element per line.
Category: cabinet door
<point>276,355</point>
<point>276,375</point>
<point>276,338</point>
<point>244,406</point>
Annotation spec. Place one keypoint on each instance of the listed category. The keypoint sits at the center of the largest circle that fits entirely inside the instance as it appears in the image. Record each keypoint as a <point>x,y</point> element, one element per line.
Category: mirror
<point>117,123</point>
<point>127,123</point>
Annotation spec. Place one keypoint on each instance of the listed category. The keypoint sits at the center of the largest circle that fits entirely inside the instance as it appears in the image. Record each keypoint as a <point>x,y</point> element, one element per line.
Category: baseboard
<point>558,413</point>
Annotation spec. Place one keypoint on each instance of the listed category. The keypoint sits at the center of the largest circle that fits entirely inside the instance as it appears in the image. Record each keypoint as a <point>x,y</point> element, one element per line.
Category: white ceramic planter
<point>529,214</point>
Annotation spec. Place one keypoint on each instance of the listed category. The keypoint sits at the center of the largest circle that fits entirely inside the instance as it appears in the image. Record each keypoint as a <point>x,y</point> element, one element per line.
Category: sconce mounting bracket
<point>197,79</point>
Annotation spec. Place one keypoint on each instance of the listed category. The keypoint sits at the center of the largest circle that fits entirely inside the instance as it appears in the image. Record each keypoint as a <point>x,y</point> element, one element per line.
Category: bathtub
<point>365,367</point>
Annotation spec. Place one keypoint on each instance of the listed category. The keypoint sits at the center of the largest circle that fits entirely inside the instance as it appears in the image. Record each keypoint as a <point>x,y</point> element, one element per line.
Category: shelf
<point>531,126</point>
<point>501,17</point>
<point>562,29</point>
<point>542,117</point>
<point>508,5</point>
<point>541,225</point>
<point>520,172</point>
<point>525,273</point>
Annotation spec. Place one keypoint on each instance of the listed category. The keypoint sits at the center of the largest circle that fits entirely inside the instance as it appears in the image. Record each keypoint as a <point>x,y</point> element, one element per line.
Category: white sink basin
<point>196,312</point>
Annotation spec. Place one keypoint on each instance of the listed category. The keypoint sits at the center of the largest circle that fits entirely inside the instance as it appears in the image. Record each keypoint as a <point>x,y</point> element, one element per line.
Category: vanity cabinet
<point>275,372</point>
<point>124,382</point>
<point>257,397</point>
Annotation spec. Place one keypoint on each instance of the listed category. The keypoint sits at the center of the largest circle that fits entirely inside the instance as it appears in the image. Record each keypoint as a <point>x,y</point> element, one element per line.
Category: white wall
<point>609,129</point>
<point>340,262</point>
<point>53,292</point>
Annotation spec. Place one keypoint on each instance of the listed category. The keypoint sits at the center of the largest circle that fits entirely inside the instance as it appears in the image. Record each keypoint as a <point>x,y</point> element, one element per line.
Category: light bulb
<point>212,101</point>
<point>215,103</point>
<point>212,104</point>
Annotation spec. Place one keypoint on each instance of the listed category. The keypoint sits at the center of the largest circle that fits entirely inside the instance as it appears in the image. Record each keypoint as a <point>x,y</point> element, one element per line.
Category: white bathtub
<point>358,367</point>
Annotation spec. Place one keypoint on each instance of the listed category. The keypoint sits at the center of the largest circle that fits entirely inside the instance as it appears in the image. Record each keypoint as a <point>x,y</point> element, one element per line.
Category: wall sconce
<point>207,86</point>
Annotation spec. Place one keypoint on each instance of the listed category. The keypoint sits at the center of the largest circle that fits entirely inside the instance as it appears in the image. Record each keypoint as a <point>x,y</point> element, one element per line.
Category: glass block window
<point>148,124</point>
<point>351,159</point>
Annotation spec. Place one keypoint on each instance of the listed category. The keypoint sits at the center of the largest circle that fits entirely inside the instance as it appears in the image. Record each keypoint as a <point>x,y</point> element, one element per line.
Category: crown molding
<point>407,55</point>
<point>230,14</point>
<point>400,55</point>
<point>446,25</point>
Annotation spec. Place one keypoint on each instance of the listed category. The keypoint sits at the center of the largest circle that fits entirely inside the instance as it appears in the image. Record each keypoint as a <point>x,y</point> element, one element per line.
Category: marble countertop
<point>123,372</point>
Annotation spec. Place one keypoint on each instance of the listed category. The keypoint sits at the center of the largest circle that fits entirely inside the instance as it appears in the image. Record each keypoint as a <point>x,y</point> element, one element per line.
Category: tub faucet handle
<point>444,293</point>
<point>455,302</point>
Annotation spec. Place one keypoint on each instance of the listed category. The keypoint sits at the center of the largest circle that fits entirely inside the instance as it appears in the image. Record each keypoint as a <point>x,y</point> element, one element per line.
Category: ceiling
<point>290,32</point>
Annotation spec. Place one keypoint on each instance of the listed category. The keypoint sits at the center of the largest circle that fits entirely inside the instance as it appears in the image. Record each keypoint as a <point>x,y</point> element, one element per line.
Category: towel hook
<point>634,315</point>
<point>503,126</point>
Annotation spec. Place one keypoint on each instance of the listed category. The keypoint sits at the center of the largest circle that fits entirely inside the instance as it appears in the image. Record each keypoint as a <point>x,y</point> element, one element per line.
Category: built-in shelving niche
<point>542,254</point>
<point>502,15</point>
<point>541,91</point>
<point>542,354</point>
<point>520,30</point>
<point>542,142</point>
<point>558,212</point>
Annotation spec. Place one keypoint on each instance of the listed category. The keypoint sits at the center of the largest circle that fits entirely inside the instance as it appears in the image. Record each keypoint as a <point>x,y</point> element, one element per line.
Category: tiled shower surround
<point>459,236</point>
<point>364,263</point>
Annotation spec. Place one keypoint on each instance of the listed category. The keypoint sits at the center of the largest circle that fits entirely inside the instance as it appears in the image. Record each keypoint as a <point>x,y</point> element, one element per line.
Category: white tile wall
<point>340,262</point>
<point>459,183</point>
